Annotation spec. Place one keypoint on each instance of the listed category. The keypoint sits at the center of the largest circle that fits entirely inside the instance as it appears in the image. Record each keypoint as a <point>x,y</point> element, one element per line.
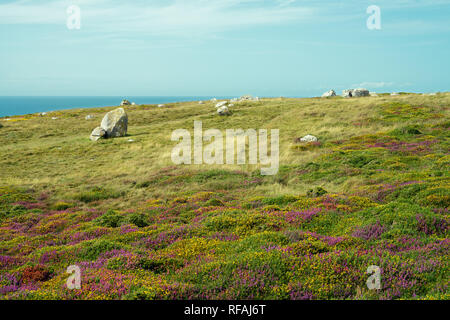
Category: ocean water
<point>12,106</point>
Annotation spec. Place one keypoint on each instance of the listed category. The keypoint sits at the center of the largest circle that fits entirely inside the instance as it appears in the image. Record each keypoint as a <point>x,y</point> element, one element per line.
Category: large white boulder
<point>115,123</point>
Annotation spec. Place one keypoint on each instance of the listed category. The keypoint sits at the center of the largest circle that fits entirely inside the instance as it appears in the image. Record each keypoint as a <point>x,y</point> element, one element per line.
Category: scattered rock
<point>350,93</point>
<point>246,98</point>
<point>213,100</point>
<point>125,102</point>
<point>309,138</point>
<point>54,118</point>
<point>361,92</point>
<point>330,93</point>
<point>395,94</point>
<point>133,103</point>
<point>373,94</point>
<point>89,117</point>
<point>221,104</point>
<point>347,93</point>
<point>130,140</point>
<point>43,114</point>
<point>115,123</point>
<point>223,111</point>
<point>161,106</point>
<point>98,133</point>
<point>201,102</point>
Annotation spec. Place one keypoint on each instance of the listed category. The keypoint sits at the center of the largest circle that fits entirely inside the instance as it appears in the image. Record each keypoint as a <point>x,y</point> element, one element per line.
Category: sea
<point>13,106</point>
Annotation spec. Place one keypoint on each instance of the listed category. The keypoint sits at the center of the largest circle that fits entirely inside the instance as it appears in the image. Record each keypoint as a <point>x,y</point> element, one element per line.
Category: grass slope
<point>374,191</point>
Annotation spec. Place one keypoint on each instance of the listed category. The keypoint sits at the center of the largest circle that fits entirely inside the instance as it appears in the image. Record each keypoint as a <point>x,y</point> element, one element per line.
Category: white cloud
<point>375,85</point>
<point>174,17</point>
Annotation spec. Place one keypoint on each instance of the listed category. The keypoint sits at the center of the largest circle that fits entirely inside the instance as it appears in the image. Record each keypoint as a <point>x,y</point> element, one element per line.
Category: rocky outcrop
<point>361,92</point>
<point>350,93</point>
<point>330,93</point>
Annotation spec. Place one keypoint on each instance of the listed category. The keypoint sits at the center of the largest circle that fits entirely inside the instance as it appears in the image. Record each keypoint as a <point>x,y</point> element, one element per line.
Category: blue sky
<point>222,47</point>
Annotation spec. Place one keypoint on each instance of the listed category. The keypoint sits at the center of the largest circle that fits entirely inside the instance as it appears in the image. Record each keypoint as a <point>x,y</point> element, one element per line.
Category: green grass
<point>374,191</point>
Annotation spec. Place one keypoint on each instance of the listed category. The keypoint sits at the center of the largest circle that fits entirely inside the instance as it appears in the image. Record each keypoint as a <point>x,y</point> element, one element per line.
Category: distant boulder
<point>395,94</point>
<point>246,98</point>
<point>361,92</point>
<point>201,102</point>
<point>309,138</point>
<point>223,111</point>
<point>97,134</point>
<point>89,117</point>
<point>347,93</point>
<point>350,93</point>
<point>125,103</point>
<point>213,100</point>
<point>161,106</point>
<point>330,93</point>
<point>373,94</point>
<point>115,123</point>
<point>221,104</point>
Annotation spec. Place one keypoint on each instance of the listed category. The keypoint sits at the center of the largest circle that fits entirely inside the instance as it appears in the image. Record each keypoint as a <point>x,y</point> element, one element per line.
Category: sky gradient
<point>222,47</point>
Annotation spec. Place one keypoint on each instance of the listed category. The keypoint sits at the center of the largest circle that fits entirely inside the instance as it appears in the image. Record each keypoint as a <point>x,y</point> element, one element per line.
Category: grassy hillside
<point>374,191</point>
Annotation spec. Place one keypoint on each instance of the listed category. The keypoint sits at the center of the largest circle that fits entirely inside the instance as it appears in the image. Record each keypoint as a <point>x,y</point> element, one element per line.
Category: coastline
<point>13,106</point>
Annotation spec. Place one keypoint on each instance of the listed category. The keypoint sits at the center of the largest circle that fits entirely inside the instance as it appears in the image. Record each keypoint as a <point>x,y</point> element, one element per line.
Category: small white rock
<point>161,106</point>
<point>223,111</point>
<point>221,104</point>
<point>309,138</point>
